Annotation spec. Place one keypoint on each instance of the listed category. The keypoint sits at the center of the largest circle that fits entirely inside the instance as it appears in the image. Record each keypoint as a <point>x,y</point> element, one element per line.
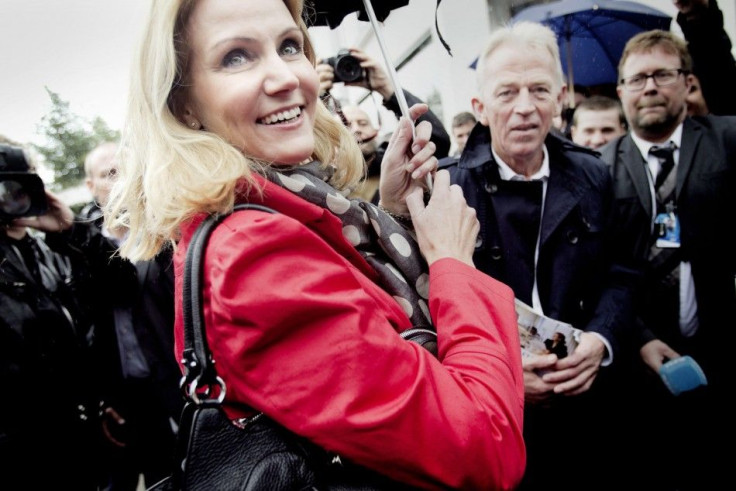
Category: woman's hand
<point>447,226</point>
<point>403,170</point>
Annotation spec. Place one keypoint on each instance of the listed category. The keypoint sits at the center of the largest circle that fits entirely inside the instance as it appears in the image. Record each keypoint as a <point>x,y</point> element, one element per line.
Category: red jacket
<point>301,332</point>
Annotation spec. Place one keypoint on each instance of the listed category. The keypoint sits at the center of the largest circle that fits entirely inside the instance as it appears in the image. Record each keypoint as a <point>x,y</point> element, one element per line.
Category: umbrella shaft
<point>403,105</point>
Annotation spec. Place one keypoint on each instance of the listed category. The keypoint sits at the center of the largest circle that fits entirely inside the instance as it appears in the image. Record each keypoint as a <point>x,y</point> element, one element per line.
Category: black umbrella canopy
<point>332,12</point>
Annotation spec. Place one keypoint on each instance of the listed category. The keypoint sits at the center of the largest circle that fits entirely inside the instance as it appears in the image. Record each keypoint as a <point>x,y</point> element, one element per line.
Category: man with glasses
<point>675,188</point>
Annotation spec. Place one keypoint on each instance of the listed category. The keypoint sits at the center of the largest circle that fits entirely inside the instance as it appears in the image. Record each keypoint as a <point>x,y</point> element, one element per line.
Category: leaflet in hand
<point>541,335</point>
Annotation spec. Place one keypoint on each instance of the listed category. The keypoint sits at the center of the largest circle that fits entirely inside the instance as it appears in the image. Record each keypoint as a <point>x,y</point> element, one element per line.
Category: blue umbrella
<point>591,34</point>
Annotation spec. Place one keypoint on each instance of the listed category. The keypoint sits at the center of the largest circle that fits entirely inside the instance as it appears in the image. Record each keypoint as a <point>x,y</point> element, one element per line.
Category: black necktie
<point>665,263</point>
<point>666,156</point>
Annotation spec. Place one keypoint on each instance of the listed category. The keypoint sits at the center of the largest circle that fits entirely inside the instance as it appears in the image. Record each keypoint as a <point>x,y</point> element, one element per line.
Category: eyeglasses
<point>661,78</point>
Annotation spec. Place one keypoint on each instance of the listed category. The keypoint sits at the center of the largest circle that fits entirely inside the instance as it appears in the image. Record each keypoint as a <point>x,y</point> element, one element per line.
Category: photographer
<point>375,79</point>
<point>49,415</point>
<point>133,310</point>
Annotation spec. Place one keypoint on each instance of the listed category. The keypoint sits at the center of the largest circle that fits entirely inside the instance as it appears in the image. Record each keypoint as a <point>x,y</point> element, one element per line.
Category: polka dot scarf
<point>387,246</point>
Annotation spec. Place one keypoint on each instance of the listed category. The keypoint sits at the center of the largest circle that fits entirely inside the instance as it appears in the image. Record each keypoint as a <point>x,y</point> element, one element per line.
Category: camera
<point>21,192</point>
<point>346,66</point>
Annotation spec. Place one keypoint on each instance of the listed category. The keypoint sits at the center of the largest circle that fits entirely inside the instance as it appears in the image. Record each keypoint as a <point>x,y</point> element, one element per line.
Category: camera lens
<point>14,199</point>
<point>348,69</point>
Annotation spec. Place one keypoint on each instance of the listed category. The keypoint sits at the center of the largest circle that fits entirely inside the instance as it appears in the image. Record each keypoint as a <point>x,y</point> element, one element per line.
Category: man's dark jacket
<point>146,288</point>
<point>583,279</point>
<point>49,408</point>
<point>706,206</point>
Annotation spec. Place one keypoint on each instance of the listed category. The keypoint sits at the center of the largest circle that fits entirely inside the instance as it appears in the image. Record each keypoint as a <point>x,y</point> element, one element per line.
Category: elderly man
<point>545,206</point>
<point>673,169</point>
<point>596,121</point>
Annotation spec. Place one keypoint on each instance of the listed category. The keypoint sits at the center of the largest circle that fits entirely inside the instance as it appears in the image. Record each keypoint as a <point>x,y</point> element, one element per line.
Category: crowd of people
<point>608,222</point>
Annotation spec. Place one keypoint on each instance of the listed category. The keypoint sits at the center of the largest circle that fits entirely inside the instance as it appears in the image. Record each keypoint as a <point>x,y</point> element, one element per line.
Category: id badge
<point>667,226</point>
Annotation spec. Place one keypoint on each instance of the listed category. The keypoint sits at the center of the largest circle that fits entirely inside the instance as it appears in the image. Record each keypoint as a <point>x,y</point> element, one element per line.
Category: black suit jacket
<point>146,288</point>
<point>706,205</point>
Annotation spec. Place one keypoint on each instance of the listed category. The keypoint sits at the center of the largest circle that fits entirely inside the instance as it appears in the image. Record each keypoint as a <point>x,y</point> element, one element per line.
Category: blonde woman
<point>304,307</point>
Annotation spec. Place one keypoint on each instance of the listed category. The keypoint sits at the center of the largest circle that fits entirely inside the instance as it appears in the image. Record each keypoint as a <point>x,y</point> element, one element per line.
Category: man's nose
<point>355,128</point>
<point>649,85</point>
<point>597,139</point>
<point>523,103</point>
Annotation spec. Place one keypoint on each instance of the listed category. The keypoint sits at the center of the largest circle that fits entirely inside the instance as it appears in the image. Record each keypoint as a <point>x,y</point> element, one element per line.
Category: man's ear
<point>690,79</point>
<point>573,132</point>
<point>479,110</point>
<point>561,100</point>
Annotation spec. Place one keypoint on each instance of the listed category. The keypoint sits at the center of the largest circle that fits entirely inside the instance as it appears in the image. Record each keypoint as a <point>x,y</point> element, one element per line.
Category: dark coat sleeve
<point>713,63</point>
<point>439,137</point>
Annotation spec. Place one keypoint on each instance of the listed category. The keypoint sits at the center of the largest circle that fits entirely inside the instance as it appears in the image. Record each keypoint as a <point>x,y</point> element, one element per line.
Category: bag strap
<point>200,377</point>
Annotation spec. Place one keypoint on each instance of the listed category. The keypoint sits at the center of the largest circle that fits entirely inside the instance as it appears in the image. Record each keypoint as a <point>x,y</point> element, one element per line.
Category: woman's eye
<point>291,47</point>
<point>235,58</point>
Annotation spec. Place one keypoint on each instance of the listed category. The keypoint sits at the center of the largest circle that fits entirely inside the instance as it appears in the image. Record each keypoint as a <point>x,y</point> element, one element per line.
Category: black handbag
<point>256,453</point>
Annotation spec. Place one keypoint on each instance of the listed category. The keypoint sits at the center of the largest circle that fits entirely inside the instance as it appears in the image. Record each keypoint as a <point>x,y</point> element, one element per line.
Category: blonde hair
<point>523,34</point>
<point>168,171</point>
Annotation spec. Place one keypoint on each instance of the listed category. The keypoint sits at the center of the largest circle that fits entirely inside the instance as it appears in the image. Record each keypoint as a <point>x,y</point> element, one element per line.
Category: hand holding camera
<point>354,67</point>
<point>57,217</point>
<point>21,191</point>
<point>23,200</point>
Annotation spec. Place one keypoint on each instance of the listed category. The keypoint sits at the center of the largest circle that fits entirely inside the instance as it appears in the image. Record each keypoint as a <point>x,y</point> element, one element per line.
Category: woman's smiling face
<point>249,79</point>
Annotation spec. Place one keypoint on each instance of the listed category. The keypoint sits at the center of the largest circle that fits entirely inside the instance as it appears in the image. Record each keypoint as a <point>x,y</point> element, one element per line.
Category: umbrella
<point>332,12</point>
<point>591,34</point>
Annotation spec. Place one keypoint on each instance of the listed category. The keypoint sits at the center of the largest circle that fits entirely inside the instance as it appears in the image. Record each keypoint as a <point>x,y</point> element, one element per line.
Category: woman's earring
<point>193,125</point>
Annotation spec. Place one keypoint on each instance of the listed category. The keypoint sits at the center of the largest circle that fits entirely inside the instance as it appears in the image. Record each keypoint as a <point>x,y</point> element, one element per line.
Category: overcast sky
<point>79,49</point>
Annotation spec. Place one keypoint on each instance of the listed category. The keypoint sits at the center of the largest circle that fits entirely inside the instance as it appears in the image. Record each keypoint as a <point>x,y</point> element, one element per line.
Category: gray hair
<point>522,34</point>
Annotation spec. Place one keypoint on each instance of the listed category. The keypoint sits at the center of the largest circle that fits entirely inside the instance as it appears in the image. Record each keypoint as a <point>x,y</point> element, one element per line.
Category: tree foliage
<point>68,138</point>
